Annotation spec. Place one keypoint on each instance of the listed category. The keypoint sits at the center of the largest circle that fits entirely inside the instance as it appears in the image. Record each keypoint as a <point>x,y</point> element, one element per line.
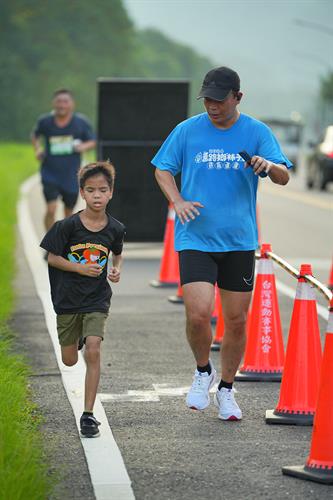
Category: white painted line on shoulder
<point>108,473</point>
<point>131,397</point>
<point>29,184</point>
<point>149,396</point>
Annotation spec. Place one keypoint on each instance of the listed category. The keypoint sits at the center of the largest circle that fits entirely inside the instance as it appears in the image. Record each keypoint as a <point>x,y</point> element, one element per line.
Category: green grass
<point>16,164</point>
<point>23,472</point>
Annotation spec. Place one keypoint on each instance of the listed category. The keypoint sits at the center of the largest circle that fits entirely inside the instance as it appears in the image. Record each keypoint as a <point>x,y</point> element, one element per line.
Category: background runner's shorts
<point>232,271</point>
<point>52,192</point>
<point>73,326</point>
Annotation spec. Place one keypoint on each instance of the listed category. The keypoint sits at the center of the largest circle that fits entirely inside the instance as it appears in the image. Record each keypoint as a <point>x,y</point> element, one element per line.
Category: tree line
<point>47,44</point>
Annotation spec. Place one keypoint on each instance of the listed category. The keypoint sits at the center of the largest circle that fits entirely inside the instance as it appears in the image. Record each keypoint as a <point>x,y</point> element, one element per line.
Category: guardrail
<point>324,290</point>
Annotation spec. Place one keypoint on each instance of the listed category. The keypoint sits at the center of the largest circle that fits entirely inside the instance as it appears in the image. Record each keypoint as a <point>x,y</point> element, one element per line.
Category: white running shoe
<point>224,399</point>
<point>198,396</point>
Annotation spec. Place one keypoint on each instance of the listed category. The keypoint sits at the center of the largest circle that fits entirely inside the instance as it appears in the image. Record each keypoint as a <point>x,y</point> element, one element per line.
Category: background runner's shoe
<point>198,396</point>
<point>224,399</point>
<point>89,426</point>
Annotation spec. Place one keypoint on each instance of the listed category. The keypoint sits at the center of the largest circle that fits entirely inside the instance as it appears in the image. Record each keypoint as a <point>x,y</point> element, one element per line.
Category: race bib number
<point>62,145</point>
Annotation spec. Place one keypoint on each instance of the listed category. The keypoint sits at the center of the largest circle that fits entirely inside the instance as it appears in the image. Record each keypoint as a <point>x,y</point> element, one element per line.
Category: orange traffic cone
<point>319,465</point>
<point>264,354</point>
<point>216,344</point>
<point>169,270</point>
<point>330,279</point>
<point>177,299</point>
<point>300,381</point>
<point>215,312</point>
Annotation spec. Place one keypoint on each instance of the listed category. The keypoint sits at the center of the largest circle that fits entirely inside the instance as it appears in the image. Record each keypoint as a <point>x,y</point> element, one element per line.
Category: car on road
<point>319,165</point>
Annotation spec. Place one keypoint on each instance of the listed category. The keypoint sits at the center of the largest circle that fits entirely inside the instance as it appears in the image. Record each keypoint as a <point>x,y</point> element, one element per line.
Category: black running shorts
<point>52,192</point>
<point>232,271</point>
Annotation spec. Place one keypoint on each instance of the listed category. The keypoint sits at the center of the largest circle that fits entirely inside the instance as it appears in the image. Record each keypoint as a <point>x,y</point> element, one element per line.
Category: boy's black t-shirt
<point>69,238</point>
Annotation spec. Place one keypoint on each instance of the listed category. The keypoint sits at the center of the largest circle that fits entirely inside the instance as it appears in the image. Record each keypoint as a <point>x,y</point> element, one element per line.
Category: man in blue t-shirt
<point>65,135</point>
<point>216,230</point>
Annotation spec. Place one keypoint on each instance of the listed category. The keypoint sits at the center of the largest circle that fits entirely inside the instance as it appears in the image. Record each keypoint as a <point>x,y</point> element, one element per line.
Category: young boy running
<point>78,249</point>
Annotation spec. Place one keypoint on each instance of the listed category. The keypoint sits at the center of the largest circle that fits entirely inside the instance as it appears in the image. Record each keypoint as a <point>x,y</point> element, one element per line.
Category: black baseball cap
<point>218,83</point>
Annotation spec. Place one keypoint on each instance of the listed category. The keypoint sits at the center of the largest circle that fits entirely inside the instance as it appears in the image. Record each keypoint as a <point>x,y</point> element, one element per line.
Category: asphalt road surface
<point>171,452</point>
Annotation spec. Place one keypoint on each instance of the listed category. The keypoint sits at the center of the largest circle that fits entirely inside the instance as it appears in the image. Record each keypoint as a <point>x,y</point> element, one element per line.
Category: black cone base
<point>175,299</point>
<point>288,418</point>
<point>309,473</point>
<point>162,284</point>
<point>258,376</point>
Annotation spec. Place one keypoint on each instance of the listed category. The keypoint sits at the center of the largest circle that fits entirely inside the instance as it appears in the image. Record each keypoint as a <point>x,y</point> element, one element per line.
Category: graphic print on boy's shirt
<point>88,253</point>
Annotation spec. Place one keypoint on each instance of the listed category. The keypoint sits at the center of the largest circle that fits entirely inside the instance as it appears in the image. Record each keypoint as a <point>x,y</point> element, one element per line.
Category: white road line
<point>106,466</point>
<point>131,397</point>
<point>148,396</point>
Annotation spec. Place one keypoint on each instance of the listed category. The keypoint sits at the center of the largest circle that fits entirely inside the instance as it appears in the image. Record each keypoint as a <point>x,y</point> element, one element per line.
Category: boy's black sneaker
<point>89,426</point>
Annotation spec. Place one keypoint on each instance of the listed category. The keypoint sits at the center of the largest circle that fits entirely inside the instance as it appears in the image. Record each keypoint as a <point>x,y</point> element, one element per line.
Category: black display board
<point>134,118</point>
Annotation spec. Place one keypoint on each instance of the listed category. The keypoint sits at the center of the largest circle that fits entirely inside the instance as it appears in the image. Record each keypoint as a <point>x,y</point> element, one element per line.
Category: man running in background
<point>59,138</point>
<point>216,230</point>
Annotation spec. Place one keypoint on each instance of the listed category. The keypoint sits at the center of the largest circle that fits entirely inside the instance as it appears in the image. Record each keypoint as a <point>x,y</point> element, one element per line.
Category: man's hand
<point>39,154</point>
<point>114,274</point>
<point>259,165</point>
<point>82,147</point>
<point>278,173</point>
<point>92,270</point>
<point>78,146</point>
<point>186,210</point>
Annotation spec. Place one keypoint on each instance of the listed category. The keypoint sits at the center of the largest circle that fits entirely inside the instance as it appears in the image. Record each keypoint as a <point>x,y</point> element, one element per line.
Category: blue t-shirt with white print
<point>213,173</point>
